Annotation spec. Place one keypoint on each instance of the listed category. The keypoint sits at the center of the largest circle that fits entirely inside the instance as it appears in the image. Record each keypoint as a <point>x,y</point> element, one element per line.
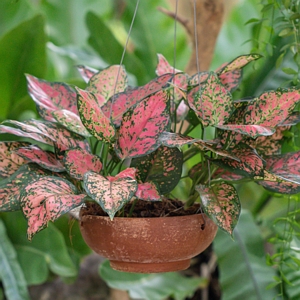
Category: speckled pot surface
<point>148,245</point>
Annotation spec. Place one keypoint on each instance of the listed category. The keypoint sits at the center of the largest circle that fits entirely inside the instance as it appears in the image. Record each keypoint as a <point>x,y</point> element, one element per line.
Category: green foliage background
<point>47,38</point>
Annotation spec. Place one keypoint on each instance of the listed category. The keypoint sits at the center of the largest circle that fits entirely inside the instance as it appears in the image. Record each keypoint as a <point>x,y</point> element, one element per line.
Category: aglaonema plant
<point>115,144</point>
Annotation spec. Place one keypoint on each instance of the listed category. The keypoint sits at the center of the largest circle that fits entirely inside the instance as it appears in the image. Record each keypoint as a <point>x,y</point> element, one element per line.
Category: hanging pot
<point>148,245</point>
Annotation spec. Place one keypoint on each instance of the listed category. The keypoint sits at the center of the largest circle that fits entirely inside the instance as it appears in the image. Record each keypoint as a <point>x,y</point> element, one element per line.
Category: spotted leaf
<point>51,96</point>
<point>221,203</point>
<point>231,80</point>
<point>271,108</point>
<point>198,78</point>
<point>46,199</point>
<point>9,160</point>
<point>171,139</point>
<point>108,82</point>
<point>93,118</point>
<point>211,101</point>
<point>163,167</point>
<point>142,125</point>
<point>45,159</point>
<point>11,187</point>
<point>86,72</point>
<point>111,192</point>
<point>148,191</point>
<point>251,130</point>
<point>78,161</point>
<point>119,104</point>
<point>250,163</point>
<point>71,121</point>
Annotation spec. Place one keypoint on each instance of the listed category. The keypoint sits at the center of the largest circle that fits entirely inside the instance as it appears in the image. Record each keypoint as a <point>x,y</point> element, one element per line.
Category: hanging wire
<point>124,51</point>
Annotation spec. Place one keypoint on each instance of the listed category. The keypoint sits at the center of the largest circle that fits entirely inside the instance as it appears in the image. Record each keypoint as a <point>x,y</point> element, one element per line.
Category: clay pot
<point>148,245</point>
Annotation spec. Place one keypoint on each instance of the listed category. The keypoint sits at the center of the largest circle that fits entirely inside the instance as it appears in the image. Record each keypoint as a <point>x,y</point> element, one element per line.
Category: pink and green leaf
<point>231,80</point>
<point>119,104</point>
<point>163,167</point>
<point>148,191</point>
<point>108,82</point>
<point>86,72</point>
<point>211,101</point>
<point>142,125</point>
<point>111,193</point>
<point>78,161</point>
<point>45,159</point>
<point>221,203</point>
<point>93,118</point>
<point>10,162</point>
<point>46,199</point>
<point>293,119</point>
<point>70,121</point>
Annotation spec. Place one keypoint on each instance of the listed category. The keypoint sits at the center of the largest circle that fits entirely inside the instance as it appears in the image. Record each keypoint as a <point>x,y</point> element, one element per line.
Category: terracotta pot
<point>148,245</point>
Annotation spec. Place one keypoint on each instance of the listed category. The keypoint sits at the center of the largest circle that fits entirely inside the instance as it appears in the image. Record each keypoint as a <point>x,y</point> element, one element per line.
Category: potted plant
<point>126,154</point>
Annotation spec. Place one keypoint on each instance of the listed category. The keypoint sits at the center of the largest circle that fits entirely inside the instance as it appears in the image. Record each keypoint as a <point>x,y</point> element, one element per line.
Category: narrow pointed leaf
<point>171,139</point>
<point>77,162</point>
<point>10,161</point>
<point>119,104</point>
<point>111,193</point>
<point>108,82</point>
<point>142,126</point>
<point>148,191</point>
<point>272,108</point>
<point>46,199</point>
<point>86,72</point>
<point>45,159</point>
<point>70,121</point>
<point>251,130</point>
<point>163,167</point>
<point>211,101</point>
<point>221,203</point>
<point>93,118</point>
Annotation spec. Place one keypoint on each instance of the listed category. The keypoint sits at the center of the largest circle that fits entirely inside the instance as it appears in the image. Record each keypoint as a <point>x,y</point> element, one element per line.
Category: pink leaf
<point>231,80</point>
<point>142,125</point>
<point>93,118</point>
<point>108,82</point>
<point>111,193</point>
<point>10,161</point>
<point>221,203</point>
<point>86,72</point>
<point>148,191</point>
<point>119,104</point>
<point>70,121</point>
<point>78,161</point>
<point>46,199</point>
<point>211,101</point>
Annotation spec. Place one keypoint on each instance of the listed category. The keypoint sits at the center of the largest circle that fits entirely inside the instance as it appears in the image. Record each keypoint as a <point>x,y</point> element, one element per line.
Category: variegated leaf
<point>50,96</point>
<point>251,130</point>
<point>249,164</point>
<point>108,82</point>
<point>93,118</point>
<point>221,203</point>
<point>10,187</point>
<point>231,80</point>
<point>112,193</point>
<point>78,161</point>
<point>10,161</point>
<point>272,108</point>
<point>148,191</point>
<point>119,104</point>
<point>45,159</point>
<point>46,199</point>
<point>142,126</point>
<point>211,101</point>
<point>86,72</point>
<point>71,121</point>
<point>198,78</point>
<point>238,63</point>
<point>164,66</point>
<point>163,167</point>
<point>292,119</point>
<point>171,139</point>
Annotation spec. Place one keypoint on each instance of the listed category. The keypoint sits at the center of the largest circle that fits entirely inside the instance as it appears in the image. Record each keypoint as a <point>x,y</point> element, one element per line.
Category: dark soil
<point>147,209</point>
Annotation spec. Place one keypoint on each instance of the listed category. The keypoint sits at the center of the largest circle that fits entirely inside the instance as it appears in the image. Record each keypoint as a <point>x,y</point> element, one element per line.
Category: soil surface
<point>147,209</point>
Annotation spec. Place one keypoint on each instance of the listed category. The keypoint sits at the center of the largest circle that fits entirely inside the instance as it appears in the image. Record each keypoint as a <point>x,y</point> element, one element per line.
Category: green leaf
<point>289,71</point>
<point>10,271</point>
<point>151,286</point>
<point>242,263</point>
<point>22,50</point>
